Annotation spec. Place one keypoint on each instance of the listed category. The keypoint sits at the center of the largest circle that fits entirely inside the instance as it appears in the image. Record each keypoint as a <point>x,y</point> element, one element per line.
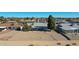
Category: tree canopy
<point>51,22</point>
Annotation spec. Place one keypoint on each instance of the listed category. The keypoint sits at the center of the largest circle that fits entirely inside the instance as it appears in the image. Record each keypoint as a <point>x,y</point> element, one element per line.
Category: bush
<point>74,44</point>
<point>26,27</point>
<point>58,43</point>
<point>67,44</point>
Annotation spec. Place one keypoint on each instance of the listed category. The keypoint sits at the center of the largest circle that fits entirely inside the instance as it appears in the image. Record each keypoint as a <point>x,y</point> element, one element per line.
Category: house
<point>60,20</point>
<point>11,25</point>
<point>40,26</point>
<point>68,28</point>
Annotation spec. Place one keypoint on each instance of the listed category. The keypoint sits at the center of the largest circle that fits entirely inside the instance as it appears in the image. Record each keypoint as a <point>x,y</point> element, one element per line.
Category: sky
<point>40,14</point>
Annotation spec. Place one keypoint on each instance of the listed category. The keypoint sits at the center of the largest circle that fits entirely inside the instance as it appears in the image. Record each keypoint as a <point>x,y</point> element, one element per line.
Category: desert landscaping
<point>34,38</point>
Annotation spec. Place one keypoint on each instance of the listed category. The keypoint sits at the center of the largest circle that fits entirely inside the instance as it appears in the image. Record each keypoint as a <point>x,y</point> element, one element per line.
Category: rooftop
<point>69,26</point>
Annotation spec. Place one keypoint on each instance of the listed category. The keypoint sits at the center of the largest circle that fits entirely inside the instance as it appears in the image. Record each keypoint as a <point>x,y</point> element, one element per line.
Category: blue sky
<point>39,14</point>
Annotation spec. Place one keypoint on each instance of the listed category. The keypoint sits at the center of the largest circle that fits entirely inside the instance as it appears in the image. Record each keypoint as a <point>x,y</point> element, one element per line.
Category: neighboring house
<point>40,26</point>
<point>36,24</point>
<point>60,20</point>
<point>42,20</point>
<point>68,28</point>
<point>11,25</point>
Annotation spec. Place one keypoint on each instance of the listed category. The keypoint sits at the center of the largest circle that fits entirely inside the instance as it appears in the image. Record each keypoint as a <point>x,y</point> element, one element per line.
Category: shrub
<point>26,27</point>
<point>74,44</point>
<point>58,43</point>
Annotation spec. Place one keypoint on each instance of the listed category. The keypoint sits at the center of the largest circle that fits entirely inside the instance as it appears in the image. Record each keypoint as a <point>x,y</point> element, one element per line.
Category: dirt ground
<point>34,38</point>
<point>31,35</point>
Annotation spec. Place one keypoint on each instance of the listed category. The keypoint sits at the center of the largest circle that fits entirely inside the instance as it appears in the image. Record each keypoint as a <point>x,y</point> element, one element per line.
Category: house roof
<point>9,24</point>
<point>68,27</point>
<point>40,24</point>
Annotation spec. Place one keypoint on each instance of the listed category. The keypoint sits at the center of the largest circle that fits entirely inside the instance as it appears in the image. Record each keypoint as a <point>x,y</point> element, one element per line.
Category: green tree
<point>26,18</point>
<point>32,18</point>
<point>26,27</point>
<point>51,22</point>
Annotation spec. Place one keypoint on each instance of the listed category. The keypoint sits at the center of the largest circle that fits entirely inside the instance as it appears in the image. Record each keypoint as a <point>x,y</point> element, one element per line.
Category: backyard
<point>30,37</point>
